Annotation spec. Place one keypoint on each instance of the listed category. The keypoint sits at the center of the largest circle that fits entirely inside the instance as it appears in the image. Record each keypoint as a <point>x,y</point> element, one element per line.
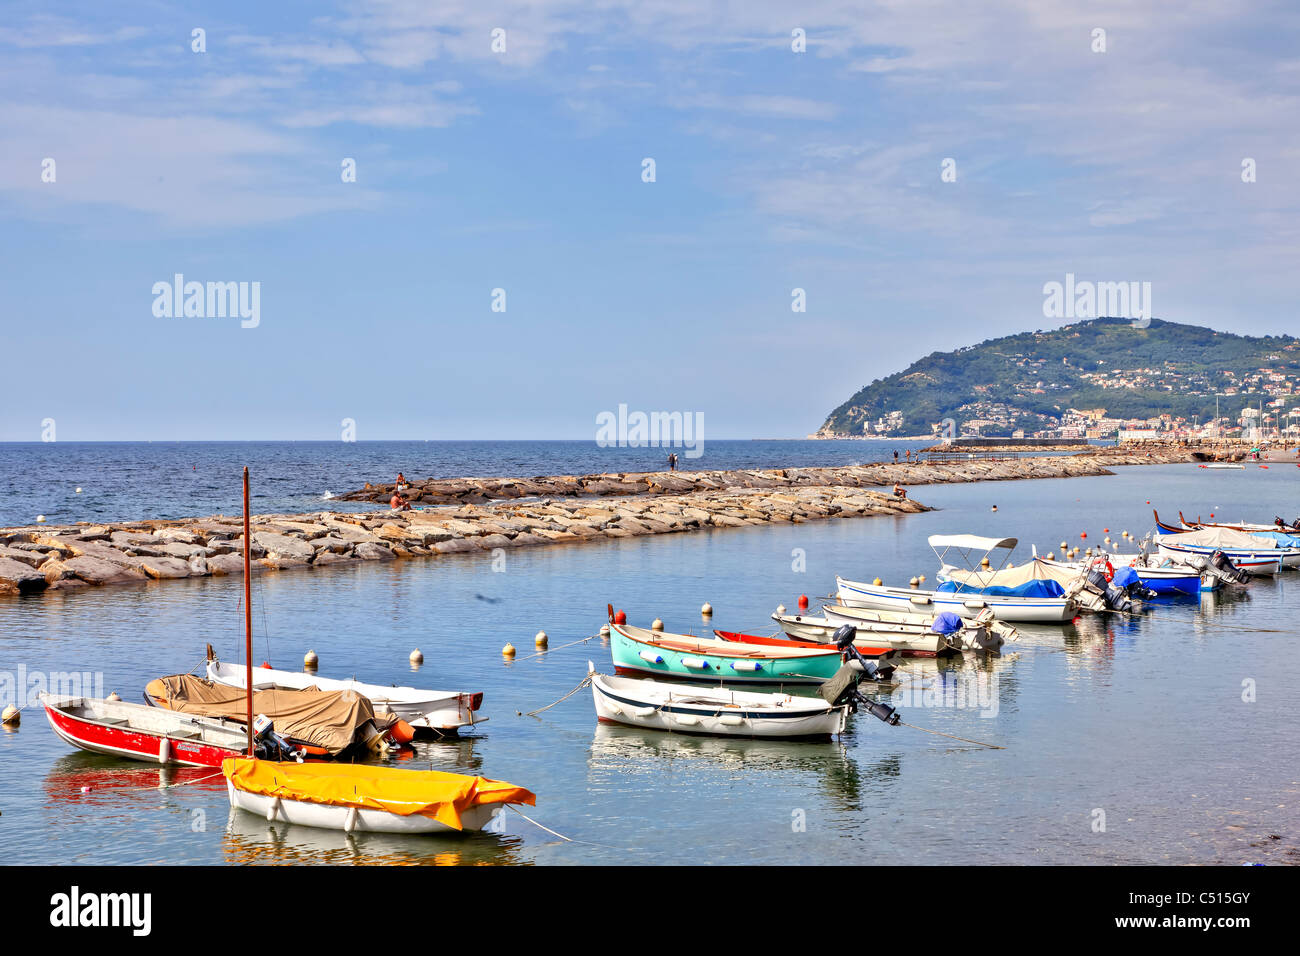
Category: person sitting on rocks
<point>401,481</point>
<point>398,503</point>
<point>900,491</point>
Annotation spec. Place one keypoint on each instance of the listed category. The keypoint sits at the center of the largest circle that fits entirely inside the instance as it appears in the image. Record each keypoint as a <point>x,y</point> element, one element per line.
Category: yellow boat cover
<point>431,793</point>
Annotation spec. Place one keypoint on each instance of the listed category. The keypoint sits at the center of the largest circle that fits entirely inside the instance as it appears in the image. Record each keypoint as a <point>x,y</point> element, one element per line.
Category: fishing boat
<point>443,712</point>
<point>869,651</point>
<point>1035,601</point>
<point>718,711</point>
<point>138,732</point>
<point>912,634</point>
<point>1277,527</point>
<point>351,797</point>
<point>637,650</point>
<point>321,723</point>
<point>1245,551</point>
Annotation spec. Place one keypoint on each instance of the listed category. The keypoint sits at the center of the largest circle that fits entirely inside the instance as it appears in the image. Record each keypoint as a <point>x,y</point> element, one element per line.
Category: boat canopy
<point>430,793</point>
<point>970,542</point>
<point>331,720</point>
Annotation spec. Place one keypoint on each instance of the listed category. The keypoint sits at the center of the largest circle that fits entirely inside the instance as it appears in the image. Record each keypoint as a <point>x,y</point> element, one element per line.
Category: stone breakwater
<point>39,558</point>
<point>449,491</point>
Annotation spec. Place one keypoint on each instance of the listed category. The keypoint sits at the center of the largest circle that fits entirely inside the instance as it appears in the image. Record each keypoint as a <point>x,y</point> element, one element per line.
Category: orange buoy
<point>1105,530</point>
<point>620,617</point>
<point>401,732</point>
<point>803,602</point>
<point>1083,534</point>
<point>267,664</point>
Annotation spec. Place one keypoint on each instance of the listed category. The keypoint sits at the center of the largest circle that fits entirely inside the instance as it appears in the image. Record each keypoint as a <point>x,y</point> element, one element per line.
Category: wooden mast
<point>248,615</point>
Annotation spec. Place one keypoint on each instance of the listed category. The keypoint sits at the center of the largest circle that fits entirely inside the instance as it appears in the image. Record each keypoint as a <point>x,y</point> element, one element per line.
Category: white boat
<point>1250,553</point>
<point>442,711</point>
<point>912,634</point>
<point>718,711</point>
<point>964,599</point>
<point>1223,466</point>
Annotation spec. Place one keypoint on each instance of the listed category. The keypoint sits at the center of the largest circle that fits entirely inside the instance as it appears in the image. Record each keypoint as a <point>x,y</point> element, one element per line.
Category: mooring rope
<point>550,649</point>
<point>940,733</point>
<point>586,681</point>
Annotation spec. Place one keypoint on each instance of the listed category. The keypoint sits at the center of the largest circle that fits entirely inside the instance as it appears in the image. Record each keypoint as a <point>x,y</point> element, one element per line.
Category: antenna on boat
<point>248,614</point>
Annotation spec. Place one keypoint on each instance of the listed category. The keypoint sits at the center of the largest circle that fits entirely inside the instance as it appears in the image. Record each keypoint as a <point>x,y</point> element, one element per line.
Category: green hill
<point>1033,380</point>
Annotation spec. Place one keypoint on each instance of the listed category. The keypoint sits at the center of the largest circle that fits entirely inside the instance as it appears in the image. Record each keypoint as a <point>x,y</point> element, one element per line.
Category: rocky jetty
<point>39,558</point>
<point>450,491</point>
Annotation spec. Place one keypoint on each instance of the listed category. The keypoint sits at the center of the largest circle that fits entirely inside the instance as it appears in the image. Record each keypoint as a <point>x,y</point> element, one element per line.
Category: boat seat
<point>184,734</point>
<point>114,721</point>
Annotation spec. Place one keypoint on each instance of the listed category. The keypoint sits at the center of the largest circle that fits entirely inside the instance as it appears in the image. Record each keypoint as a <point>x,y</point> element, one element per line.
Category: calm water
<point>129,481</point>
<point>1142,719</point>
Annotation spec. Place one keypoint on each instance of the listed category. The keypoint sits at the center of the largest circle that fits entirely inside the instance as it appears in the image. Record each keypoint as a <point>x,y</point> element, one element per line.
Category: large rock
<point>17,577</point>
<point>33,559</point>
<point>97,571</point>
<point>165,568</point>
<point>369,551</point>
<point>283,548</point>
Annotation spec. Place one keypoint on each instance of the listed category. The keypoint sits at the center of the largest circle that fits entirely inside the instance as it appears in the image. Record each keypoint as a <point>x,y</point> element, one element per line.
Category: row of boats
<point>690,684</point>
<point>288,743</point>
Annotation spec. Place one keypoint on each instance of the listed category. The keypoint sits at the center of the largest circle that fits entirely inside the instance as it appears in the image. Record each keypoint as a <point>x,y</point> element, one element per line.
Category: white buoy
<point>656,625</point>
<point>78,491</point>
<point>113,696</point>
<point>922,578</point>
<point>707,609</point>
<point>1051,556</point>
<point>417,657</point>
<point>540,640</point>
<point>604,630</point>
<point>11,716</point>
<point>310,659</point>
<point>508,651</point>
<point>914,583</point>
<point>780,609</point>
<point>40,519</point>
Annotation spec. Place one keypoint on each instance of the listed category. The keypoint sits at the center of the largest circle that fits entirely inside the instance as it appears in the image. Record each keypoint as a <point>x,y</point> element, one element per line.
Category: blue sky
<point>521,170</point>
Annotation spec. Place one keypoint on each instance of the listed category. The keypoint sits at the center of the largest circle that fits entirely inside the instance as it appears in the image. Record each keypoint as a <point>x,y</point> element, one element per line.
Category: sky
<point>502,146</point>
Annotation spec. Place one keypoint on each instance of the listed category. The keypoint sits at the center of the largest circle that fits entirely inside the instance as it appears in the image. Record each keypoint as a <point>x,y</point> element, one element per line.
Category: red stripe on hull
<point>135,744</point>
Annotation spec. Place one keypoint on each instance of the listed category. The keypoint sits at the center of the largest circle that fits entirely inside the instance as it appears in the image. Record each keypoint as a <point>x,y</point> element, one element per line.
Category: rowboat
<point>444,712</point>
<point>1223,466</point>
<point>1278,526</point>
<point>718,711</point>
<point>350,797</point>
<point>1244,550</point>
<point>637,650</point>
<point>866,649</point>
<point>981,633</point>
<point>321,723</point>
<point>139,732</point>
<point>803,627</point>
<point>359,798</point>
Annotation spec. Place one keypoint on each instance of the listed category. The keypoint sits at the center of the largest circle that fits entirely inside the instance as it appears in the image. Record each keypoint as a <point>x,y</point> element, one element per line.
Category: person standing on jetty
<point>672,461</point>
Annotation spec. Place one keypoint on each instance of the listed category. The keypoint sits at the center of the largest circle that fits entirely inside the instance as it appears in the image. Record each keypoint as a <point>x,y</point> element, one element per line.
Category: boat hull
<point>694,660</point>
<point>1258,563</point>
<point>616,706</point>
<point>444,712</point>
<point>150,744</point>
<point>910,642</point>
<point>1020,610</point>
<point>353,819</point>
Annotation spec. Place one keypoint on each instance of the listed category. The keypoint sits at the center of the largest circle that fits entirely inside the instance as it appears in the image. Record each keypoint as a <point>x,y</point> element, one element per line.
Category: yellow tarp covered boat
<point>354,797</point>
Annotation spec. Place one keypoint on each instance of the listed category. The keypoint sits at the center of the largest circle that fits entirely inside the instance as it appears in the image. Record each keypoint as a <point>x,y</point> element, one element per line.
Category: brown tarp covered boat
<point>331,721</point>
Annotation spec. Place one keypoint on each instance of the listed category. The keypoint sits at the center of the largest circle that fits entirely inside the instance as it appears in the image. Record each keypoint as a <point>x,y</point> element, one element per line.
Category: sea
<point>1162,737</point>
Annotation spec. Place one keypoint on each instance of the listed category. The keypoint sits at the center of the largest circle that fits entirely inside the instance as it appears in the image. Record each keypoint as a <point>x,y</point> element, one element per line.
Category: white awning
<point>970,542</point>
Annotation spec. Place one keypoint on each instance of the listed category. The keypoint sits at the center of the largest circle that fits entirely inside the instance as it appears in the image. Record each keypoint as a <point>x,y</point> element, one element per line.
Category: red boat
<point>870,653</point>
<point>139,732</point>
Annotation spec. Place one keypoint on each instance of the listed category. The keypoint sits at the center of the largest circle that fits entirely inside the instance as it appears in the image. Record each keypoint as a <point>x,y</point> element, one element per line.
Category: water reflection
<point>249,838</point>
<point>99,780</point>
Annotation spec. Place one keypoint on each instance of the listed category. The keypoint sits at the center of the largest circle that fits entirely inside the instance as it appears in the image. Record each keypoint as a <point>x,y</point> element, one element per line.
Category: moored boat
<point>138,732</point>
<point>717,711</point>
<point>444,712</point>
<point>642,651</point>
<point>980,633</point>
<point>1246,551</point>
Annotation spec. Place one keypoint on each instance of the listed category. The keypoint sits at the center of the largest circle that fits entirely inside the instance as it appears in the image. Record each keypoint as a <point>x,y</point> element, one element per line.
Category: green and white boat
<point>640,651</point>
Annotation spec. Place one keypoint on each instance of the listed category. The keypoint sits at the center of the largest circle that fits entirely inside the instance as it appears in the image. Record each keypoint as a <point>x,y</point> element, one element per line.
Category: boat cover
<point>1221,538</point>
<point>430,793</point>
<point>331,720</point>
<point>946,623</point>
<point>1280,539</point>
<point>1033,579</point>
<point>1124,577</point>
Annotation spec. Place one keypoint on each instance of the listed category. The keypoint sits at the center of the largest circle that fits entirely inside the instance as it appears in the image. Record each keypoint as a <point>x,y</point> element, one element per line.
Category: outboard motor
<point>1116,598</point>
<point>842,689</point>
<point>1226,569</point>
<point>1129,580</point>
<point>269,745</point>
